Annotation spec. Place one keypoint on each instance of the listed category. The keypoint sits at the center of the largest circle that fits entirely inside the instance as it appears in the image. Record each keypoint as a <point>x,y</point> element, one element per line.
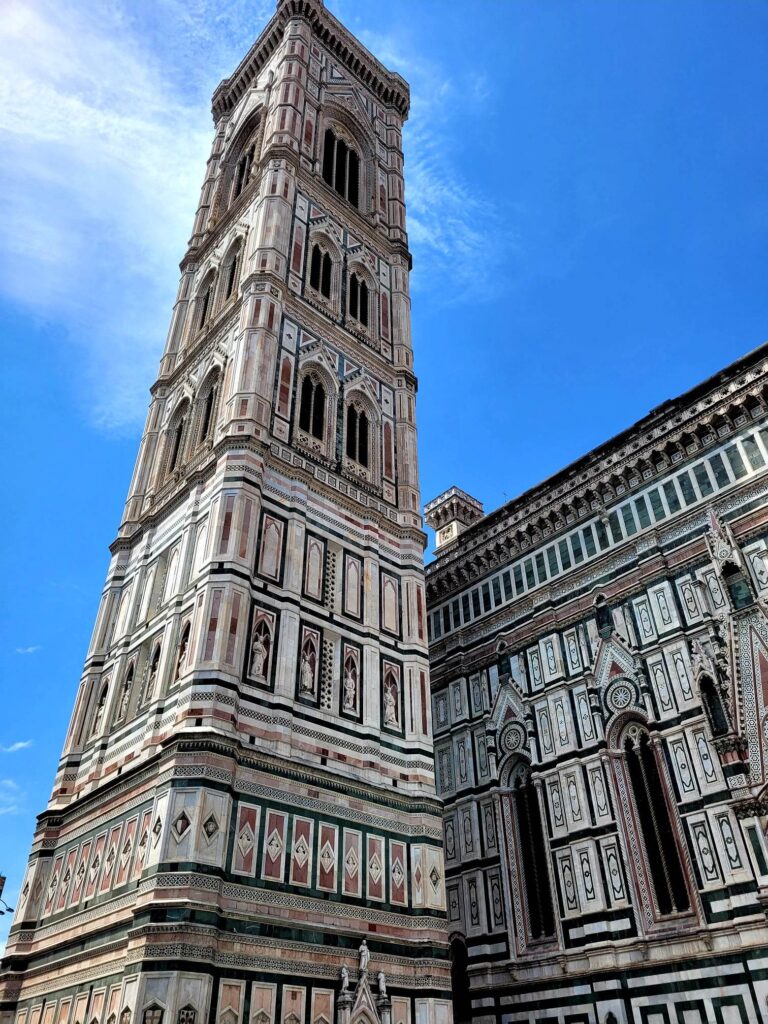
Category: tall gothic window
<point>209,405</point>
<point>320,267</point>
<point>357,435</point>
<point>738,586</point>
<point>534,856</point>
<point>205,304</point>
<point>312,407</point>
<point>358,299</point>
<point>656,826</point>
<point>176,438</point>
<point>341,167</point>
<point>243,171</point>
<point>230,271</point>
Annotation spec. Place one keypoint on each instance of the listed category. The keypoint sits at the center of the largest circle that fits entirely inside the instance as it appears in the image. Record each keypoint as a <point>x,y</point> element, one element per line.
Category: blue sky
<point>588,213</point>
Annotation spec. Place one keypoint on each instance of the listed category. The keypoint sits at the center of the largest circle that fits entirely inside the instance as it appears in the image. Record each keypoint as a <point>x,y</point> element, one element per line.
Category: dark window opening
<point>231,276</point>
<point>357,435</point>
<point>462,1005</point>
<point>534,857</point>
<point>205,307</point>
<point>314,267</point>
<point>312,408</point>
<point>738,587</point>
<point>713,706</point>
<point>656,826</point>
<point>325,277</point>
<point>176,437</point>
<point>242,171</point>
<point>341,167</point>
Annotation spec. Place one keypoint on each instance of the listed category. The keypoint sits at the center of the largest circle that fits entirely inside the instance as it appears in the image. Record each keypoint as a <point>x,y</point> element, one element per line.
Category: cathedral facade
<point>243,828</point>
<point>599,666</point>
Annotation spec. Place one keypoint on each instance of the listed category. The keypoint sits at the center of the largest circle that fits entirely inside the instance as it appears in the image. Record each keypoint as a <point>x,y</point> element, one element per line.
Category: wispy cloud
<point>28,650</point>
<point>453,230</point>
<point>15,747</point>
<point>101,169</point>
<point>11,797</point>
<point>105,128</point>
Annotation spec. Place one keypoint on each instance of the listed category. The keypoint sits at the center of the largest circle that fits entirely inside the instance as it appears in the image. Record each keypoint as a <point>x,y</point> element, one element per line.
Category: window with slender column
<point>312,407</point>
<point>341,167</point>
<point>658,833</point>
<point>175,438</point>
<point>357,446</point>
<point>533,847</point>
<point>243,171</point>
<point>358,299</point>
<point>320,271</point>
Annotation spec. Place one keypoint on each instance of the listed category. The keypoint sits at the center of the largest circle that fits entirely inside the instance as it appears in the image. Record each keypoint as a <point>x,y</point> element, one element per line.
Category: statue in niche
<point>390,702</point>
<point>350,689</point>
<point>181,658</point>
<point>259,654</point>
<point>124,700</point>
<point>344,979</point>
<point>99,712</point>
<point>152,675</point>
<point>382,981</point>
<point>365,956</point>
<point>307,674</point>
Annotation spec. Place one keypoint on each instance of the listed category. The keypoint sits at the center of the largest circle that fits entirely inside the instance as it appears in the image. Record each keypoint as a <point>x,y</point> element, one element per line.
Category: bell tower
<point>243,826</point>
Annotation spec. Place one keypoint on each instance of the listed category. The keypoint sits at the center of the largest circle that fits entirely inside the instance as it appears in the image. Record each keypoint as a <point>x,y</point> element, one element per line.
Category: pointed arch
<point>238,164</point>
<point>348,169</point>
<point>315,409</point>
<point>362,435</point>
<point>325,269</point>
<point>651,819</point>
<point>175,439</point>
<point>204,304</point>
<point>362,295</point>
<point>207,402</point>
<point>229,275</point>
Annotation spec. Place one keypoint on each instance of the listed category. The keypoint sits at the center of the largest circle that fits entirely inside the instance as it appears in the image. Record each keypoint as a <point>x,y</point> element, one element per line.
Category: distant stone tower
<point>246,788</point>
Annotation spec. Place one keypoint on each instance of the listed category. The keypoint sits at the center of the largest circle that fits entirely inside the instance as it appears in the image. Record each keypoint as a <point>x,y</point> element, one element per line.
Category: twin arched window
<point>357,442</point>
<point>341,167</point>
<point>320,267</point>
<point>525,801</point>
<point>312,407</point>
<point>176,437</point>
<point>243,171</point>
<point>358,299</point>
<point>662,855</point>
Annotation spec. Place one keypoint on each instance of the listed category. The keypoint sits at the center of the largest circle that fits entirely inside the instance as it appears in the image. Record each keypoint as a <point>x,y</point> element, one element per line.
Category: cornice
<point>387,86</point>
<point>610,474</point>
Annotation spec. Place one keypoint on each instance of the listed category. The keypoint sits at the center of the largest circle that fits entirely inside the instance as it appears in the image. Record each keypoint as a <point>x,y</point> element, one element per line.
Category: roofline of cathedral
<point>474,534</point>
<point>390,88</point>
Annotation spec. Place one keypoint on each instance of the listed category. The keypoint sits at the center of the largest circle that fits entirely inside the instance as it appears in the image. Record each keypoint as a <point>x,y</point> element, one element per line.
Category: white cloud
<point>28,650</point>
<point>11,797</point>
<point>105,128</point>
<point>102,165</point>
<point>14,747</point>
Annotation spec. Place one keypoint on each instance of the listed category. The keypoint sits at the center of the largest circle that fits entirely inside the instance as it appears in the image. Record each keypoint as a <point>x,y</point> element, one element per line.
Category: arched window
<point>320,269</point>
<point>534,857</point>
<point>358,299</point>
<point>341,167</point>
<point>208,399</point>
<point>230,271</point>
<point>357,447</point>
<point>243,171</point>
<point>312,407</point>
<point>204,306</point>
<point>175,438</point>
<point>658,834</point>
